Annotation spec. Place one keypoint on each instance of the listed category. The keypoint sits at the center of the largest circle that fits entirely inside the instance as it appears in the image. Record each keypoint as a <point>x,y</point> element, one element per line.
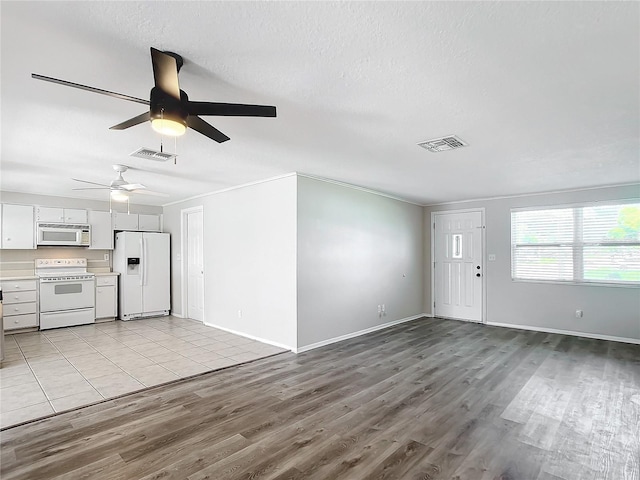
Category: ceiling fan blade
<point>90,89</point>
<point>92,188</point>
<point>165,73</point>
<point>92,183</point>
<point>132,186</point>
<point>149,192</point>
<point>205,129</point>
<point>143,117</point>
<point>230,109</point>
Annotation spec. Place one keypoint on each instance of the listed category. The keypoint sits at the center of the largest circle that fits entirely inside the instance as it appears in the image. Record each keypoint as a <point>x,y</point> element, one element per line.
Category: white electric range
<point>67,292</point>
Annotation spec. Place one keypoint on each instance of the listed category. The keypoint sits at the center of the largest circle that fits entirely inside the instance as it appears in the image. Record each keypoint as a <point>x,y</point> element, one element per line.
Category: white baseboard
<point>358,333</point>
<point>252,337</point>
<point>597,336</point>
<point>174,314</point>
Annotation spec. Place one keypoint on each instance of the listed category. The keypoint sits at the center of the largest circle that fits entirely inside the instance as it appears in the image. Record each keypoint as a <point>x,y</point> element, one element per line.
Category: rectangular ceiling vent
<point>153,155</point>
<point>441,144</point>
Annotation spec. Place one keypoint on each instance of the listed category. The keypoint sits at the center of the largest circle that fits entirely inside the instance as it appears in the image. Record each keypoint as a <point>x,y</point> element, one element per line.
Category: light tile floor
<point>55,370</point>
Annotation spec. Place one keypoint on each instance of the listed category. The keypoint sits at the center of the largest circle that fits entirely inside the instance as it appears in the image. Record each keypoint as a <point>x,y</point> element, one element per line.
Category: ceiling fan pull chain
<point>175,150</point>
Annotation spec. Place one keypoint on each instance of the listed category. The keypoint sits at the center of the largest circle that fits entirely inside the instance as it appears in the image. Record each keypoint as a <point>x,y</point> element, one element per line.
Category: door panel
<point>459,268</point>
<point>195,266</point>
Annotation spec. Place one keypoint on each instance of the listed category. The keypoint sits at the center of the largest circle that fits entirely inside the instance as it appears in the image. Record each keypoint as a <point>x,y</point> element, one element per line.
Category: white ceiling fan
<point>120,189</point>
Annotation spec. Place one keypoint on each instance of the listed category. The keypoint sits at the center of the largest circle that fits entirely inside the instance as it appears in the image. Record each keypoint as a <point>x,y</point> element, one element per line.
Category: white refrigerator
<point>142,260</point>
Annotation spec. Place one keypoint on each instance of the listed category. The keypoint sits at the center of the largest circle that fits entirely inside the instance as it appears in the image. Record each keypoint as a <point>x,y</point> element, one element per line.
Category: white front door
<point>195,266</point>
<point>458,265</point>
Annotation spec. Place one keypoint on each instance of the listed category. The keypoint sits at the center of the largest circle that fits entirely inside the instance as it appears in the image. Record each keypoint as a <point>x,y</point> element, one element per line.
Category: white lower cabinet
<point>20,304</point>
<point>106,297</point>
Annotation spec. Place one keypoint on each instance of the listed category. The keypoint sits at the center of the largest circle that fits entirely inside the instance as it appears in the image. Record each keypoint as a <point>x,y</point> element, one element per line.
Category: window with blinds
<point>587,244</point>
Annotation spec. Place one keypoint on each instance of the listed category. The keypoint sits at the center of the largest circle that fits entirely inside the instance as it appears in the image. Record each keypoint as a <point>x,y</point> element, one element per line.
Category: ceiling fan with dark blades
<point>170,110</point>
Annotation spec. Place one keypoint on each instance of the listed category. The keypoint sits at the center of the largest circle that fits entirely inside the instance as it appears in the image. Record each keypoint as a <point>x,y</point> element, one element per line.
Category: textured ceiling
<point>545,93</point>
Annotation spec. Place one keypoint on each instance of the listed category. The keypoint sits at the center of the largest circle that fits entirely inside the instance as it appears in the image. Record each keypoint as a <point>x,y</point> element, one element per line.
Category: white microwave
<point>63,235</point>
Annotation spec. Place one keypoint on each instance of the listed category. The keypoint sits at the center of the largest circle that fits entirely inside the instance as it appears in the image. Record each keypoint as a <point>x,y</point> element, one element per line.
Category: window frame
<point>578,253</point>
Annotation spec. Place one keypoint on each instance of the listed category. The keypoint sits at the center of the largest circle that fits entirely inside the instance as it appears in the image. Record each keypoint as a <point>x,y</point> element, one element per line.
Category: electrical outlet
<point>579,313</point>
<point>384,312</point>
<point>239,313</point>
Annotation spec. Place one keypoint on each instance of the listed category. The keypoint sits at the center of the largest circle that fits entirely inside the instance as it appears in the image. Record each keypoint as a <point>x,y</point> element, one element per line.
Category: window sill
<point>579,284</point>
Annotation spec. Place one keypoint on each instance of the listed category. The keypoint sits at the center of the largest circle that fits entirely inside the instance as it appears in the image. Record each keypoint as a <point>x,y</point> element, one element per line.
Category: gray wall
<point>608,311</point>
<point>249,259</point>
<point>356,250</point>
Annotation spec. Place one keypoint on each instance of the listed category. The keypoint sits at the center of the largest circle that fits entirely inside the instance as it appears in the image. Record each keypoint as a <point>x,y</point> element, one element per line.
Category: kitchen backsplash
<point>22,262</point>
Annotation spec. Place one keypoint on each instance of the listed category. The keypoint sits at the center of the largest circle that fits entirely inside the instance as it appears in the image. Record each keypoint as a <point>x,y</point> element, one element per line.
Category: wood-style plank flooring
<point>430,399</point>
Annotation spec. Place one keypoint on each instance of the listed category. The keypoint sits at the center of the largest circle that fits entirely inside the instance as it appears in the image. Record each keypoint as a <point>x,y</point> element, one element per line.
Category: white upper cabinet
<point>64,215</point>
<point>125,221</point>
<point>137,222</point>
<point>101,230</point>
<point>148,223</point>
<point>18,227</point>
<point>75,215</point>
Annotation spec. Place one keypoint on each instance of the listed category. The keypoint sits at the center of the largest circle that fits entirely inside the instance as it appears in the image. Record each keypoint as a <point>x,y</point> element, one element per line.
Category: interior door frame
<point>184,267</point>
<point>484,258</point>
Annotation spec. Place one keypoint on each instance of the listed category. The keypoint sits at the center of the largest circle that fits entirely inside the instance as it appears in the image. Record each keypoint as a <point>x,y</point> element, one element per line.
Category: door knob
<point>477,274</point>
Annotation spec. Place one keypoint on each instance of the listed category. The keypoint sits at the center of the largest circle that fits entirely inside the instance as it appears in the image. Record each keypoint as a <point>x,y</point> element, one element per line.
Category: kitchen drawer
<point>19,309</point>
<point>20,321</point>
<point>18,285</point>
<point>19,297</point>
<point>106,280</point>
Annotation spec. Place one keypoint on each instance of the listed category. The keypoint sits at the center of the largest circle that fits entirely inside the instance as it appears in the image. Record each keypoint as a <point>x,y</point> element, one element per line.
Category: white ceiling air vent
<point>153,155</point>
<point>443,143</point>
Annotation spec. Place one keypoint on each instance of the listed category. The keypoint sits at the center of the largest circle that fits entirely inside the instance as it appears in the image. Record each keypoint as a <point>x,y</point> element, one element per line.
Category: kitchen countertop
<point>9,278</point>
<point>18,277</point>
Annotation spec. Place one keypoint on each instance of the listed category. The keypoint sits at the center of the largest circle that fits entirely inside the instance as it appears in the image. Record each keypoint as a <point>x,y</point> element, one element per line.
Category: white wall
<point>608,311</point>
<point>250,259</point>
<point>356,250</point>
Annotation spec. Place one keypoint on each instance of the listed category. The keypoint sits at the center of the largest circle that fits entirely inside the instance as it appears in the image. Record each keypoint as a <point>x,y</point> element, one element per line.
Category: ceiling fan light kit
<point>170,110</point>
<point>119,196</point>
<point>166,126</point>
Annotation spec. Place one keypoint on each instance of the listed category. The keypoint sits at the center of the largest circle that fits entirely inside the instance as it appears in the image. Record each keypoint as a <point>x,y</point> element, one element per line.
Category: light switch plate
<point>492,257</point>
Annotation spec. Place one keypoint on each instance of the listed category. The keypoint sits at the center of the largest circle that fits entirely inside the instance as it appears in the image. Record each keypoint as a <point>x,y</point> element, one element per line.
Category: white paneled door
<point>458,265</point>
<point>195,266</point>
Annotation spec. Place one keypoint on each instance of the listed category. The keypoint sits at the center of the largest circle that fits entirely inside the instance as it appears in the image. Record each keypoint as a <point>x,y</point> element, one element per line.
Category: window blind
<point>590,243</point>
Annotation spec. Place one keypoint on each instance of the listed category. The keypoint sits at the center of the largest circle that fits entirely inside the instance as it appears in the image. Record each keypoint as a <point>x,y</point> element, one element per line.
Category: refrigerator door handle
<point>144,253</point>
<point>142,262</point>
